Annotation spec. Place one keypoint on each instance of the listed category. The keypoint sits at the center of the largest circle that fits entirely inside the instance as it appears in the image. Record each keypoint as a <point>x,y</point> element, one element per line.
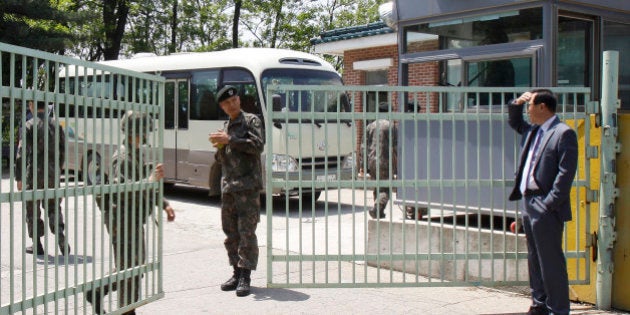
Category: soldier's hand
<point>19,185</point>
<point>158,172</point>
<point>219,137</point>
<point>170,214</point>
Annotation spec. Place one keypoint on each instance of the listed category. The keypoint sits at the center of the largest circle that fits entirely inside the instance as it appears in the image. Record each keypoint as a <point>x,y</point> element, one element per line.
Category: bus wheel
<point>310,196</point>
<point>93,173</point>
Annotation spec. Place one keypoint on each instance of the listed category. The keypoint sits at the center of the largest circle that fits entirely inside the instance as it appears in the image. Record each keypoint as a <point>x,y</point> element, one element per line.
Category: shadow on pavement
<point>70,260</point>
<point>283,295</point>
<point>200,196</point>
<point>184,193</point>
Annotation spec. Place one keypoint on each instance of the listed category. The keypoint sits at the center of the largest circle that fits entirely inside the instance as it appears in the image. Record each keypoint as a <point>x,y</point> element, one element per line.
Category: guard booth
<point>506,43</point>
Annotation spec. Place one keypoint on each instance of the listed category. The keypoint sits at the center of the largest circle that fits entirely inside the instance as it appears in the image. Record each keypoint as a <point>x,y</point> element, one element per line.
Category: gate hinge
<point>592,152</point>
<point>591,241</point>
<point>592,195</point>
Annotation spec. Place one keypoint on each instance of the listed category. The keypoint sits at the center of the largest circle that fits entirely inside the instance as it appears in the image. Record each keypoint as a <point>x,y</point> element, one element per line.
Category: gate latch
<point>591,241</point>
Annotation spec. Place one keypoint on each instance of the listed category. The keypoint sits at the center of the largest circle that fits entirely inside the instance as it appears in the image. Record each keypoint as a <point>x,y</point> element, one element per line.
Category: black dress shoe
<point>538,310</point>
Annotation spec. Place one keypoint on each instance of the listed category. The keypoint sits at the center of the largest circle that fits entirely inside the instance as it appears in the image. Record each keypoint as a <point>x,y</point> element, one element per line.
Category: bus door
<point>176,139</point>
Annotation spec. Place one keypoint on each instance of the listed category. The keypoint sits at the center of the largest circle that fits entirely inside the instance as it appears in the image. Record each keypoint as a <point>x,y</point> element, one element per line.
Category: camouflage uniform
<point>54,157</point>
<point>124,215</point>
<point>378,159</point>
<point>241,183</point>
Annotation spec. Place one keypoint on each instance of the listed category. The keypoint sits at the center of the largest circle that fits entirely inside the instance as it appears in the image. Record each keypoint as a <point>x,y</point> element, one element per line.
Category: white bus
<point>191,113</point>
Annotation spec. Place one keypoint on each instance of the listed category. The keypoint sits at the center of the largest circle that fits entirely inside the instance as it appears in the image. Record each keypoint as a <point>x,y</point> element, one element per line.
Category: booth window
<point>573,52</point>
<point>496,28</point>
<point>373,98</point>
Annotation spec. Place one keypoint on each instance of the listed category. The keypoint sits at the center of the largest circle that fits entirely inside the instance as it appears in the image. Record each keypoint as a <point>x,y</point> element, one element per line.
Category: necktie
<point>531,158</point>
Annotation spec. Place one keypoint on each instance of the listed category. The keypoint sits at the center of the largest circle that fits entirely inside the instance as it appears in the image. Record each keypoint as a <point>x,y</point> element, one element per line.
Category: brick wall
<point>423,74</point>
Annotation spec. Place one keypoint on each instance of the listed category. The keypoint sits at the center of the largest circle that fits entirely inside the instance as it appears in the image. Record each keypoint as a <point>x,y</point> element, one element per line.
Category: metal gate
<point>447,222</point>
<point>87,100</point>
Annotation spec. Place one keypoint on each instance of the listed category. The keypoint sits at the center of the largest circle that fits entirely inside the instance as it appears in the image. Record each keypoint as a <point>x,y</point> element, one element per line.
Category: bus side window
<point>204,106</point>
<point>203,91</point>
<point>248,104</point>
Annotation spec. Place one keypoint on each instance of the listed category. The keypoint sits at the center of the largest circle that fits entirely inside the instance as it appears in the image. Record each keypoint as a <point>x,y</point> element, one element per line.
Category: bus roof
<point>254,59</point>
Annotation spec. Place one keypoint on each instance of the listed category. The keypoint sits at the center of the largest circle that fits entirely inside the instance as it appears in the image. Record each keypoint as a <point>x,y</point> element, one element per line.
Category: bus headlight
<point>283,163</point>
<point>349,161</point>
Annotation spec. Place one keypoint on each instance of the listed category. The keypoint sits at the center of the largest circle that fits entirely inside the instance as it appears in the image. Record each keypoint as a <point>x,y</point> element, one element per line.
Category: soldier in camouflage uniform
<point>51,160</point>
<point>379,152</point>
<point>125,213</point>
<point>239,145</point>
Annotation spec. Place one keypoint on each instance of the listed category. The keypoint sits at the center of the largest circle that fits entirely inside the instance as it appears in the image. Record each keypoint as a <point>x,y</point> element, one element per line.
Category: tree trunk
<point>235,21</point>
<point>115,13</point>
<point>173,46</point>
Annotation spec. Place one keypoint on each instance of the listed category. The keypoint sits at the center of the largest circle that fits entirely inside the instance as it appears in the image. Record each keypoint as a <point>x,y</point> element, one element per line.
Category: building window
<point>373,98</point>
<point>574,51</point>
<point>617,37</point>
<point>496,28</point>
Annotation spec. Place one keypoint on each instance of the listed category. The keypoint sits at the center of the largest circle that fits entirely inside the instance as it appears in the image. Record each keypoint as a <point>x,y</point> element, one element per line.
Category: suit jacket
<point>555,167</point>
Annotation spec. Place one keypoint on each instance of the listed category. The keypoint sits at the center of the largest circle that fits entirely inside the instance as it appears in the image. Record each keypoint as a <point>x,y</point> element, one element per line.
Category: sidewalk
<point>196,264</point>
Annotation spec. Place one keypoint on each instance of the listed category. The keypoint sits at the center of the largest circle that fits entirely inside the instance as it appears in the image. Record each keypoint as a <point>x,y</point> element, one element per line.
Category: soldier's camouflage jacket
<point>240,158</point>
<point>49,159</point>
<point>128,167</point>
<point>378,148</point>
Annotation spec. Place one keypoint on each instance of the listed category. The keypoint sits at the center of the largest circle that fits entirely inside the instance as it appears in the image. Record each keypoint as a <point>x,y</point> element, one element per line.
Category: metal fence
<point>97,200</point>
<point>447,221</point>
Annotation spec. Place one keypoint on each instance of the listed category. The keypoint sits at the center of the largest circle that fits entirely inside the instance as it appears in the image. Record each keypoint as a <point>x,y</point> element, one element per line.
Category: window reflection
<point>497,28</point>
<point>617,37</point>
<point>574,38</point>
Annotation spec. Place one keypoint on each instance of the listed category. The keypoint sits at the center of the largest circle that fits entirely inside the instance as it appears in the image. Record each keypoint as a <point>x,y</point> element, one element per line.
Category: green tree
<point>345,13</point>
<point>35,24</point>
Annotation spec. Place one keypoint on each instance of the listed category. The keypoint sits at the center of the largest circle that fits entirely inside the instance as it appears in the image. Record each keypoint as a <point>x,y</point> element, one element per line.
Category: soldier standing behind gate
<point>379,152</point>
<point>125,213</point>
<point>239,145</point>
<point>50,160</point>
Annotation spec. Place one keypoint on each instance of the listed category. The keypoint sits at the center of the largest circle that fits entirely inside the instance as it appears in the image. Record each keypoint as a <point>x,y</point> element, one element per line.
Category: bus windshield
<point>317,101</point>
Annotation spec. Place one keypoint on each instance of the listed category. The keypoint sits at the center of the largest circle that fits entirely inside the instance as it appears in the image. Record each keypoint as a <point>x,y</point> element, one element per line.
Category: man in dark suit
<point>547,166</point>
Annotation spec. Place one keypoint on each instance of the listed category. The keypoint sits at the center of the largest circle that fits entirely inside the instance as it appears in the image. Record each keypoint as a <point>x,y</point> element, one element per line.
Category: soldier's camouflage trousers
<point>240,214</point>
<point>381,198</point>
<point>127,239</point>
<point>55,217</point>
<point>381,194</point>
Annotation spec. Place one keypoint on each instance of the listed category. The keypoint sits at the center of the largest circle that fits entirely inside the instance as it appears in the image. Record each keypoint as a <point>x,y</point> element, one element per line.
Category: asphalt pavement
<point>195,264</point>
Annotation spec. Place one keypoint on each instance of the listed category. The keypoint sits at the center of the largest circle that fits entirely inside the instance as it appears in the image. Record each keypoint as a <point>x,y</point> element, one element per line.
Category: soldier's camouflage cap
<point>225,93</point>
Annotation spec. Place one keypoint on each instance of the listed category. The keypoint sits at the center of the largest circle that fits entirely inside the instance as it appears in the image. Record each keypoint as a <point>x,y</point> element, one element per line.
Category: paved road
<point>195,264</point>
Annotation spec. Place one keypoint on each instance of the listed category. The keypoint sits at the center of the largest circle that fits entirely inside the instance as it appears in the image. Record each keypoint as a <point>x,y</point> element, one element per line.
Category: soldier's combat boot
<point>243,283</point>
<point>94,297</point>
<point>37,248</point>
<point>64,247</point>
<point>231,284</point>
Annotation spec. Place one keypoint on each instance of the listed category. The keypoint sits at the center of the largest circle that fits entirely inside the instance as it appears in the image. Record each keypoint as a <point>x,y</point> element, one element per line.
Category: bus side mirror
<point>277,102</point>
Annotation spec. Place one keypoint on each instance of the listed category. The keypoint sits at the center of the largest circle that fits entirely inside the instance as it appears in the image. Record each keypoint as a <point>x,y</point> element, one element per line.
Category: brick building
<point>370,57</point>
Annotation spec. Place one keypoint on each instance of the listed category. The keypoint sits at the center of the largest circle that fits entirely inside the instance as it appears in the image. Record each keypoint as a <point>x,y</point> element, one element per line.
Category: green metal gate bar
<point>455,168</point>
<point>87,100</point>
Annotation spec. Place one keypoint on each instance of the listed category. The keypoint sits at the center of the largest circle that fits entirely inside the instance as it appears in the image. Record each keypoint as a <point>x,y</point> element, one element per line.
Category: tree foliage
<point>37,24</point>
<point>122,28</point>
